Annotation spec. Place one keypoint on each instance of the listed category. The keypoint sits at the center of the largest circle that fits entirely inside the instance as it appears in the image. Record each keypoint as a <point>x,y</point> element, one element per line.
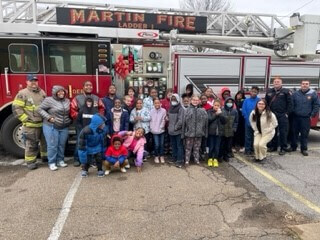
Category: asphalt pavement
<point>238,200</point>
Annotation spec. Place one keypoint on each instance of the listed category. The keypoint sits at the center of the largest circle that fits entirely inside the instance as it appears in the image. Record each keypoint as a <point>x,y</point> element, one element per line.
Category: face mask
<point>174,103</point>
<point>229,105</point>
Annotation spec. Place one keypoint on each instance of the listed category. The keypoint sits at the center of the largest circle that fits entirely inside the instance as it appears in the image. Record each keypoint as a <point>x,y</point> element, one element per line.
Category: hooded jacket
<point>231,116</point>
<point>195,123</point>
<point>222,91</point>
<point>138,148</point>
<point>158,120</point>
<point>248,105</point>
<point>85,114</point>
<point>175,115</point>
<point>113,155</point>
<point>91,139</point>
<point>78,102</point>
<point>54,107</point>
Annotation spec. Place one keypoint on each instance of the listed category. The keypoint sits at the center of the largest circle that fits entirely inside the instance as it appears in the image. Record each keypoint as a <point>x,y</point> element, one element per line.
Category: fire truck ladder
<point>36,16</point>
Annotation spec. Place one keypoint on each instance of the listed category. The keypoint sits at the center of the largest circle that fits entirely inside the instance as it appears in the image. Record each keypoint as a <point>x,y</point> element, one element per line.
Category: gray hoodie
<point>57,108</point>
<point>175,115</point>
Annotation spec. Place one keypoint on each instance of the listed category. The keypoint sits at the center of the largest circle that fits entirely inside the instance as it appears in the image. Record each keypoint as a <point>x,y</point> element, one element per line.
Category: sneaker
<point>197,162</point>
<point>32,166</point>
<point>162,159</point>
<point>53,167</point>
<point>107,172</point>
<point>76,163</point>
<point>234,150</point>
<point>84,173</point>
<point>128,165</point>
<point>282,152</point>
<point>62,164</point>
<point>156,159</point>
<point>304,153</point>
<point>178,165</point>
<point>123,170</point>
<point>242,150</point>
<point>210,162</point>
<point>186,163</point>
<point>100,173</point>
<point>215,163</point>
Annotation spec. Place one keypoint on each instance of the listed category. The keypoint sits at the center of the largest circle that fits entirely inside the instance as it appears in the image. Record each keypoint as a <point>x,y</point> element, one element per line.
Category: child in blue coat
<point>91,144</point>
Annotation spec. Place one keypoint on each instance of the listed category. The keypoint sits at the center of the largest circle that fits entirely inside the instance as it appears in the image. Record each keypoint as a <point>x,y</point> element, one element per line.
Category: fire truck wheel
<point>11,136</point>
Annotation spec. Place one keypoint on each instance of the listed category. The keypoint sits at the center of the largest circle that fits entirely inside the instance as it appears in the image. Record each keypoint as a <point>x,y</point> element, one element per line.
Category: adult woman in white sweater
<point>263,122</point>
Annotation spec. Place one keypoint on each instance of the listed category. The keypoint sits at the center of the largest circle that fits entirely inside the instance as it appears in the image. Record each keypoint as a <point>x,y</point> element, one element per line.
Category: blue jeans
<point>158,144</point>
<point>248,141</point>
<point>214,146</point>
<point>56,142</point>
<point>177,148</point>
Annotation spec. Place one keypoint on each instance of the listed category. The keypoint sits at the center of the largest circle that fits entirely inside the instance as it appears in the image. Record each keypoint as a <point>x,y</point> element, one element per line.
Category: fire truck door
<point>18,57</point>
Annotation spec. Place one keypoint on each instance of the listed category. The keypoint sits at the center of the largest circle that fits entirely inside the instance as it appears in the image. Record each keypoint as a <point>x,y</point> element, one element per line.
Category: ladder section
<point>218,23</point>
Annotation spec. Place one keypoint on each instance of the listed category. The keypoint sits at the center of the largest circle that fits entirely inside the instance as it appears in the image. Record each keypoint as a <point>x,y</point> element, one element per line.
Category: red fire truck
<point>67,43</point>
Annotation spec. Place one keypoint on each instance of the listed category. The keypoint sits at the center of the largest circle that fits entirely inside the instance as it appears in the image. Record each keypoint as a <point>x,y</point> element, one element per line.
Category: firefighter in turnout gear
<point>24,107</point>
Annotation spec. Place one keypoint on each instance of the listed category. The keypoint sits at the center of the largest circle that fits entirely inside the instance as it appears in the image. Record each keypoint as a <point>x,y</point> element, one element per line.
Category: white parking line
<point>58,226</point>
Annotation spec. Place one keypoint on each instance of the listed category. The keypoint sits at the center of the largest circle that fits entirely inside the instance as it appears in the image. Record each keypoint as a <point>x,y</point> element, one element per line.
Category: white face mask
<point>174,103</point>
<point>229,105</point>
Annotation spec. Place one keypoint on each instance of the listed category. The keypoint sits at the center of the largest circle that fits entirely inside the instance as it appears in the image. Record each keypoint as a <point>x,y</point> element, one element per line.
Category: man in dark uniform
<point>305,106</point>
<point>279,100</point>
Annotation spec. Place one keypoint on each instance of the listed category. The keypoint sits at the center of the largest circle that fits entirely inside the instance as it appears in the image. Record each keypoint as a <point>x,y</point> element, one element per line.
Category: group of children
<point>193,126</point>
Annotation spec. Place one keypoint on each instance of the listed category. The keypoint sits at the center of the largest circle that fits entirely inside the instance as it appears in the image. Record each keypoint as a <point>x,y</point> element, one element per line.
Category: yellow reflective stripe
<point>23,117</point>
<point>19,103</point>
<point>30,108</point>
<point>43,154</point>
<point>30,158</point>
<point>29,124</point>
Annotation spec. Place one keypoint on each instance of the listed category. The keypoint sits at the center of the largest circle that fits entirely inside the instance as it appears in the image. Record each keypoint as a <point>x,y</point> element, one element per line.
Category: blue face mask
<point>229,105</point>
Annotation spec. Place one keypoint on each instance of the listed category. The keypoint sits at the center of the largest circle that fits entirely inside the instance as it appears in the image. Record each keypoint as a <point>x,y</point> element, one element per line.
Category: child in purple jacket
<point>157,128</point>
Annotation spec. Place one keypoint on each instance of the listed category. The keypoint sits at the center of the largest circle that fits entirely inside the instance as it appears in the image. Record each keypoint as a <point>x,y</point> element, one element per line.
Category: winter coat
<point>85,114</point>
<point>148,103</point>
<point>248,105</point>
<point>138,149</point>
<point>207,106</point>
<point>224,89</point>
<point>165,103</point>
<point>305,104</point>
<point>231,116</point>
<point>78,102</point>
<point>144,123</point>
<point>215,123</point>
<point>91,139</point>
<point>279,101</point>
<point>158,120</point>
<point>108,102</point>
<point>113,155</point>
<point>175,116</point>
<point>54,107</point>
<point>267,126</point>
<point>124,120</point>
<point>195,123</point>
<point>25,104</point>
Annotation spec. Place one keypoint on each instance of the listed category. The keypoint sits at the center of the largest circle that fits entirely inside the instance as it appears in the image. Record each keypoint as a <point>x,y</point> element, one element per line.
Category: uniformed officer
<point>279,100</point>
<point>24,107</point>
<point>305,106</point>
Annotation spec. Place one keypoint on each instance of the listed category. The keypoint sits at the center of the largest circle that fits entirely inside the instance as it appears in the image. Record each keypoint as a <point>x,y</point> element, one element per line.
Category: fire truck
<point>67,43</point>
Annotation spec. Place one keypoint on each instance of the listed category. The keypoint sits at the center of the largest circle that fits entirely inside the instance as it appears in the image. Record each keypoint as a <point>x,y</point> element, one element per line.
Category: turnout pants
<point>301,125</point>
<point>32,137</point>
<point>260,145</point>
<point>195,144</point>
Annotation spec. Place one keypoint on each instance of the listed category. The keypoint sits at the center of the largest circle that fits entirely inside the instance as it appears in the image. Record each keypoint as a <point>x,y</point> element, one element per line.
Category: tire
<point>11,136</point>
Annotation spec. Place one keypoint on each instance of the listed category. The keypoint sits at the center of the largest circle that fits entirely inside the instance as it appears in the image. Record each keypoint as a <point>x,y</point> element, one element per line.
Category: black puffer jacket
<point>195,123</point>
<point>57,108</point>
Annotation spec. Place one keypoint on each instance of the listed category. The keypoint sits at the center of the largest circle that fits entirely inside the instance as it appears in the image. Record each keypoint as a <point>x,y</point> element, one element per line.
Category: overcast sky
<point>279,7</point>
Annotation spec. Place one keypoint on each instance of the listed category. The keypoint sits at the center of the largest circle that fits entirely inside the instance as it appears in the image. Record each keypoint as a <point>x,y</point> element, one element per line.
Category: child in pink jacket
<point>134,142</point>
